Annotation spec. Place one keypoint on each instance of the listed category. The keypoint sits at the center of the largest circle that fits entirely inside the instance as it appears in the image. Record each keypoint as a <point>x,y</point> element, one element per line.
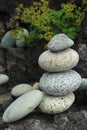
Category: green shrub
<point>68,19</point>
<point>44,22</point>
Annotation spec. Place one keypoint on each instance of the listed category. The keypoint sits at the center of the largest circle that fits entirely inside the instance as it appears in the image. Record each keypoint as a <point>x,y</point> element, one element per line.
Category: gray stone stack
<point>59,82</point>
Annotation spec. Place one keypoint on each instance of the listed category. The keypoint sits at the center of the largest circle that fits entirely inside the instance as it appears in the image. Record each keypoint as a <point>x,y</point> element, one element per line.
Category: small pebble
<point>36,85</point>
<point>3,79</point>
<point>21,89</point>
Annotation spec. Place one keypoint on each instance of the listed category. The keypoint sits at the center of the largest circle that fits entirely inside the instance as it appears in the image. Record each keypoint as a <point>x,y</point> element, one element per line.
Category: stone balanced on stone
<point>60,81</point>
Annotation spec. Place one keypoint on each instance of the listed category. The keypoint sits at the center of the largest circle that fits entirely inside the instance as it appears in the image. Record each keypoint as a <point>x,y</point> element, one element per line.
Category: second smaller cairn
<point>60,81</point>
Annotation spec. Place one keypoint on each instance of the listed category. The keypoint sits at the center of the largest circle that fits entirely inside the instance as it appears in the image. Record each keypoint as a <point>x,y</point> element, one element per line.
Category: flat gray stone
<point>83,85</point>
<point>3,79</point>
<point>21,89</point>
<point>58,61</point>
<point>7,41</point>
<point>58,84</point>
<point>22,106</point>
<point>60,42</point>
<point>55,105</point>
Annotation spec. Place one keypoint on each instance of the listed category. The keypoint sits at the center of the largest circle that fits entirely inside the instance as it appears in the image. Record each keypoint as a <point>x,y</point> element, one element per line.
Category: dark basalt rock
<point>21,65</point>
<point>7,6</point>
<point>81,48</point>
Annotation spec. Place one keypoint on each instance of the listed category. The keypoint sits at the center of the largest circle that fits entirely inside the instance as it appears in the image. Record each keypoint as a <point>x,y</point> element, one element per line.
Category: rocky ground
<point>73,119</point>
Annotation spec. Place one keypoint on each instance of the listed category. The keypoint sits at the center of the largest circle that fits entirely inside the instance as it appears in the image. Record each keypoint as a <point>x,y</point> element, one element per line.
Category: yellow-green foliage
<point>18,33</point>
<point>44,22</point>
<point>68,19</point>
<point>39,17</point>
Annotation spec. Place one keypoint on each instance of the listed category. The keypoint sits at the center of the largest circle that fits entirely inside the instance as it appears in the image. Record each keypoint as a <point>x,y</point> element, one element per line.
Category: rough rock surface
<point>7,6</point>
<point>81,48</point>
<point>82,65</point>
<point>21,65</point>
<point>5,100</point>
<point>73,119</point>
<point>2,61</point>
<point>2,30</point>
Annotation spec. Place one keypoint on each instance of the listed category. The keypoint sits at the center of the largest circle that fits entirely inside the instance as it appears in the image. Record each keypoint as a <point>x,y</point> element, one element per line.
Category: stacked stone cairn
<point>59,82</point>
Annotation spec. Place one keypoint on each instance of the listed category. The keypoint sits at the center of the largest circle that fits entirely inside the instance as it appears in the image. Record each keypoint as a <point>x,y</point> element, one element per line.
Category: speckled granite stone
<point>54,105</point>
<point>60,42</point>
<point>58,84</point>
<point>58,61</point>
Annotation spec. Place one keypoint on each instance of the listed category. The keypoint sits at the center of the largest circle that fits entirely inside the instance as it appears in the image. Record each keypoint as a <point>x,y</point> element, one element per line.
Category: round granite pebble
<point>58,61</point>
<point>21,89</point>
<point>58,84</point>
<point>3,79</point>
<point>54,105</point>
<point>60,42</point>
<point>22,106</point>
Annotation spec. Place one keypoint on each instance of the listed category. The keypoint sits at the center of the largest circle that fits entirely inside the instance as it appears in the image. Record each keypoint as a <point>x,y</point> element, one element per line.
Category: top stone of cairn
<point>60,42</point>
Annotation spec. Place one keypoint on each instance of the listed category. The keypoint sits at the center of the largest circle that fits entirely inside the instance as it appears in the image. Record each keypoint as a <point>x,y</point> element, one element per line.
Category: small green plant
<point>38,17</point>
<point>44,22</point>
<point>18,33</point>
<point>68,19</point>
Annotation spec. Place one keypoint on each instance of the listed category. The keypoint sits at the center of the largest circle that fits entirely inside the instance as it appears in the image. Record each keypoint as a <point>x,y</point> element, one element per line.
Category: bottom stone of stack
<point>55,105</point>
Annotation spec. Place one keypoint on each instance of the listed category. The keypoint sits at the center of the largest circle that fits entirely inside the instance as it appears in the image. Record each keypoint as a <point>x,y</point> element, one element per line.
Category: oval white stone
<point>3,79</point>
<point>58,84</point>
<point>21,89</point>
<point>58,61</point>
<point>54,105</point>
<point>22,106</point>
